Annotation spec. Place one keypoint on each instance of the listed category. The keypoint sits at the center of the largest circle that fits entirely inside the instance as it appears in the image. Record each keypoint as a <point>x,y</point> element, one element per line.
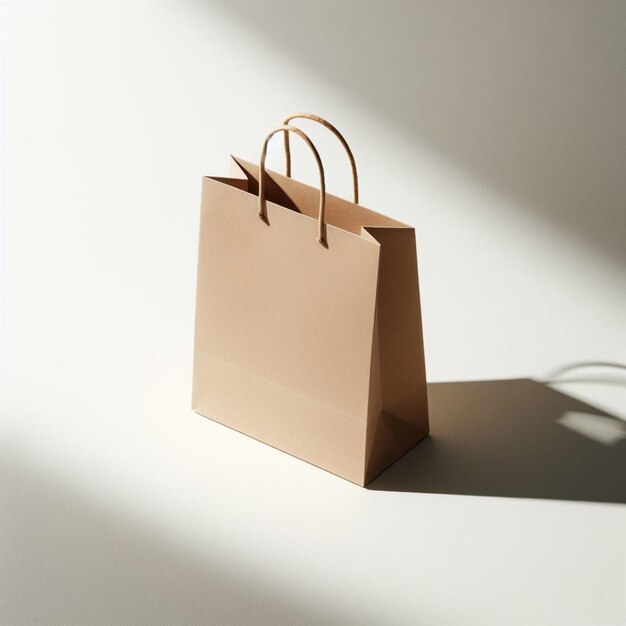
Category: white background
<point>497,129</point>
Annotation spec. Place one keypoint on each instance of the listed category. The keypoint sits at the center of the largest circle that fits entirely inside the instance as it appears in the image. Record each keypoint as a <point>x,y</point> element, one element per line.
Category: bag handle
<point>332,129</point>
<point>321,225</point>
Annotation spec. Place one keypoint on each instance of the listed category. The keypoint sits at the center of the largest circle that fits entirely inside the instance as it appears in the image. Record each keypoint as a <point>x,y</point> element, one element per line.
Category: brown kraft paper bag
<point>308,331</point>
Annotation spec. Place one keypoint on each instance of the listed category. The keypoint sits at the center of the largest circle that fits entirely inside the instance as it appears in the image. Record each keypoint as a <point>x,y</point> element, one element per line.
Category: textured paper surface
<point>315,350</point>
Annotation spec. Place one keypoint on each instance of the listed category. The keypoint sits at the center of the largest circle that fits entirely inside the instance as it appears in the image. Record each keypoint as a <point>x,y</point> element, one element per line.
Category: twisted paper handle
<point>344,143</point>
<point>321,225</point>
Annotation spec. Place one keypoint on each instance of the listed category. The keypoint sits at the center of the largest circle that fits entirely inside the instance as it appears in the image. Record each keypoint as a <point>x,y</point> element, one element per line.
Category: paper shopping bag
<point>308,331</point>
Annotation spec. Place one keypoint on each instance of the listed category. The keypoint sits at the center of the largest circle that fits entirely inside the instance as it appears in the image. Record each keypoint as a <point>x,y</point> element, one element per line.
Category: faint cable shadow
<point>514,438</point>
<point>618,376</point>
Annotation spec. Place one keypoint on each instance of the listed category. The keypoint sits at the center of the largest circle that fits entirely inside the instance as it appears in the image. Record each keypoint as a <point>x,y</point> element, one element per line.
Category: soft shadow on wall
<point>528,97</point>
<point>515,438</point>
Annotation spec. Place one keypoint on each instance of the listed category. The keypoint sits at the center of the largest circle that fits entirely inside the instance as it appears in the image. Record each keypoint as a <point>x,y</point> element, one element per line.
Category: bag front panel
<point>284,329</point>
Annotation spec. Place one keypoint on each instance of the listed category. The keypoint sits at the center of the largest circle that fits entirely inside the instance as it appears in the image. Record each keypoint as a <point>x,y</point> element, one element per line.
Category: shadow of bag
<point>308,329</point>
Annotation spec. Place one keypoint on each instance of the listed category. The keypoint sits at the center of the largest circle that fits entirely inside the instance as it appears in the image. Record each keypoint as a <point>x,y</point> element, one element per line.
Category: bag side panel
<point>398,415</point>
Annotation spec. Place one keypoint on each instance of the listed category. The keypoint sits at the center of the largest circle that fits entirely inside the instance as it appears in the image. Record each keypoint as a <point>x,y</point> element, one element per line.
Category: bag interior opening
<point>302,198</point>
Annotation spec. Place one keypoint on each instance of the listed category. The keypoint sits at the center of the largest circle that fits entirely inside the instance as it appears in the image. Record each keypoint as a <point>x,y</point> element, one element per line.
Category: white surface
<point>496,128</point>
